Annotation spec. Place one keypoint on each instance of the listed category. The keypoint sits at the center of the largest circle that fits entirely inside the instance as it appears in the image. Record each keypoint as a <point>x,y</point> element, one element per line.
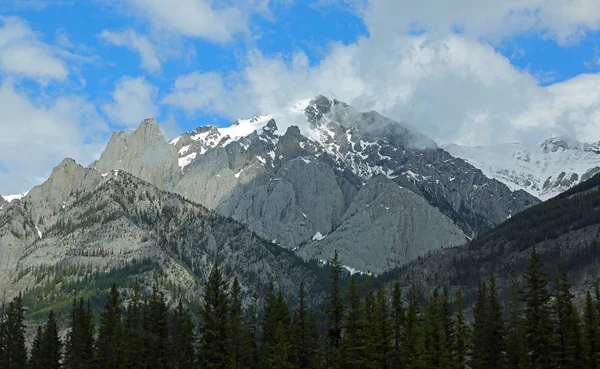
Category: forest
<point>540,326</point>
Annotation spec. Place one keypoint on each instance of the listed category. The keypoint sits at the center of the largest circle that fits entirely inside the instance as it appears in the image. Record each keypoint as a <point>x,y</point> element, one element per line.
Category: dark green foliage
<point>108,344</point>
<point>79,347</point>
<point>335,313</point>
<point>241,340</point>
<point>156,336</point>
<point>215,338</point>
<point>515,343</point>
<point>275,351</point>
<point>462,334</point>
<point>567,326</point>
<point>353,344</point>
<point>437,354</point>
<point>398,318</point>
<point>591,321</point>
<point>412,347</point>
<point>13,354</point>
<point>304,334</point>
<point>184,355</point>
<point>538,324</point>
<point>134,332</point>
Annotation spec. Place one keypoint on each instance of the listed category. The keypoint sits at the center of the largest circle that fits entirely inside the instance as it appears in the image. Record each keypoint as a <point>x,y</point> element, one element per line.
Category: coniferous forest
<point>539,326</point>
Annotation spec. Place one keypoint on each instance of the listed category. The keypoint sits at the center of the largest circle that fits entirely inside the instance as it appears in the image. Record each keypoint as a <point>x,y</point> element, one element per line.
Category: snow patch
<point>39,232</point>
<point>11,198</point>
<point>318,236</point>
<point>186,160</point>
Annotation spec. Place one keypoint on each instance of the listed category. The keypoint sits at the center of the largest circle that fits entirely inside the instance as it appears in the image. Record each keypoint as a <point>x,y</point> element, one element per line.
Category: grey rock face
<point>143,153</point>
<point>389,225</point>
<point>3,203</point>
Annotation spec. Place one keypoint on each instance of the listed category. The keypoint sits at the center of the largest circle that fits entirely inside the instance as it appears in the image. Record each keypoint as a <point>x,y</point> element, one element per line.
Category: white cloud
<point>133,101</point>
<point>199,91</point>
<point>35,137</point>
<point>21,54</point>
<point>131,40</point>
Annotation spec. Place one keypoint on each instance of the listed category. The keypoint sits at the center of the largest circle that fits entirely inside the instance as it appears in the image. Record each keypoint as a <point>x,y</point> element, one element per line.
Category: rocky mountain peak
<point>554,144</point>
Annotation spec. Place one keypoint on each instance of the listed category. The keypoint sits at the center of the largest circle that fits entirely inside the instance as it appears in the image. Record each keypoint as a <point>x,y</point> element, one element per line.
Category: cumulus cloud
<point>199,18</point>
<point>133,101</point>
<point>23,55</point>
<point>35,137</point>
<point>140,44</point>
<point>454,87</point>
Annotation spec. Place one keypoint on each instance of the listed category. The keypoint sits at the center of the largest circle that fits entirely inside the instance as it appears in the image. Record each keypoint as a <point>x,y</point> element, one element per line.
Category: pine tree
<point>108,344</point>
<point>215,340</point>
<point>398,317</point>
<point>134,352</point>
<point>79,348</point>
<point>51,347</point>
<point>436,354</point>
<point>462,333</point>
<point>35,359</point>
<point>183,339</point>
<point>275,349</point>
<point>479,351</point>
<point>496,344</point>
<point>335,312</point>
<point>515,352</point>
<point>14,352</point>
<point>567,326</point>
<point>446,315</point>
<point>156,329</point>
<point>303,334</point>
<point>241,350</point>
<point>538,323</point>
<point>592,333</point>
<point>412,347</point>
<point>353,326</point>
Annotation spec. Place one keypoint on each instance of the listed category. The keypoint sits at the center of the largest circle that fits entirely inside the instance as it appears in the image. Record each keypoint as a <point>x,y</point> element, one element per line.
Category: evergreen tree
<point>398,317</point>
<point>495,336</point>
<point>479,351</point>
<point>446,315</point>
<point>335,311</point>
<point>108,344</point>
<point>79,348</point>
<point>156,331</point>
<point>515,348</point>
<point>241,348</point>
<point>303,334</point>
<point>275,350</point>
<point>412,346</point>
<point>35,359</point>
<point>51,346</point>
<point>567,326</point>
<point>12,336</point>
<point>592,333</point>
<point>538,323</point>
<point>436,354</point>
<point>215,340</point>
<point>460,350</point>
<point>353,326</point>
<point>183,339</point>
<point>134,350</point>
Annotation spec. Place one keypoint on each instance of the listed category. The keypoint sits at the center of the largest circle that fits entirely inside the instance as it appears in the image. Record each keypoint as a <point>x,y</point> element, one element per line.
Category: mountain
<point>3,203</point>
<point>311,186</point>
<point>543,170</point>
<point>82,230</point>
<point>564,229</point>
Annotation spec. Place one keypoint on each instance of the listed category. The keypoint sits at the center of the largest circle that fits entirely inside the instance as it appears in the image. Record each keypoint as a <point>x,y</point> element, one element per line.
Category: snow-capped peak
<point>11,198</point>
<point>544,170</point>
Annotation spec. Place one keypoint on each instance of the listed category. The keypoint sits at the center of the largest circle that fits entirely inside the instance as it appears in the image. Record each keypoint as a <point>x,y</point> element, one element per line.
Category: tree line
<point>538,327</point>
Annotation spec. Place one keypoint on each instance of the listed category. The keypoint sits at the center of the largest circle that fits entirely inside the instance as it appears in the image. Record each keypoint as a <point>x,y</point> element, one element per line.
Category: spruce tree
<point>479,350</point>
<point>353,327</point>
<point>79,348</point>
<point>495,336</point>
<point>567,326</point>
<point>591,323</point>
<point>446,315</point>
<point>51,346</point>
<point>134,333</point>
<point>35,359</point>
<point>156,327</point>
<point>275,351</point>
<point>304,348</point>
<point>398,317</point>
<point>108,344</point>
<point>335,311</point>
<point>538,323</point>
<point>215,340</point>
<point>412,346</point>
<point>460,349</point>
<point>183,339</point>
<point>14,352</point>
<point>515,348</point>
<point>241,350</point>
<point>436,353</point>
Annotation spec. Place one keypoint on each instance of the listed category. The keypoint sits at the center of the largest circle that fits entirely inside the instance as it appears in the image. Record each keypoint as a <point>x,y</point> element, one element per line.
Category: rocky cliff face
<point>3,203</point>
<point>143,153</point>
<point>307,187</point>
<point>95,225</point>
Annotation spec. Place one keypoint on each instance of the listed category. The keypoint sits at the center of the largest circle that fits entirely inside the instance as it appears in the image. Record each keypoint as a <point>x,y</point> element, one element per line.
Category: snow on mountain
<point>544,170</point>
<point>11,198</point>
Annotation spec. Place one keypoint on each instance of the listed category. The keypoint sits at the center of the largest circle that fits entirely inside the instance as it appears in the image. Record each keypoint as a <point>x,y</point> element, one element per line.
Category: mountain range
<point>269,200</point>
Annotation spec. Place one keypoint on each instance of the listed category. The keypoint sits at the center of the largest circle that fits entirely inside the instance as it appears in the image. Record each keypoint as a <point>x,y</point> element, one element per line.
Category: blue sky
<point>74,71</point>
